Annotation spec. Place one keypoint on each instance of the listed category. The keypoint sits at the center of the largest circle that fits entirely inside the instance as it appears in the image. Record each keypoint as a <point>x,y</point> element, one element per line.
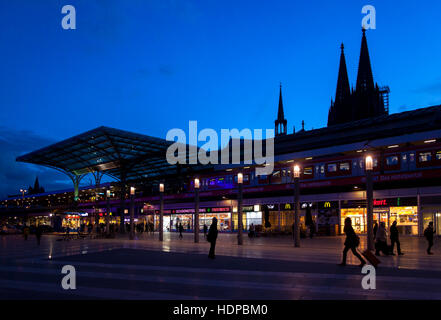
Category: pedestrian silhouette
<point>205,230</point>
<point>38,233</point>
<point>375,229</point>
<point>428,233</point>
<point>394,238</point>
<point>351,243</point>
<point>26,232</point>
<point>212,237</point>
<point>181,228</point>
<point>381,240</point>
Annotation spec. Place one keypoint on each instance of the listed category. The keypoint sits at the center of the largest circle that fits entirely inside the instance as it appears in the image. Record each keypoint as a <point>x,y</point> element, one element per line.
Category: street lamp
<point>132,213</point>
<point>239,209</point>
<point>296,231</point>
<point>161,212</point>
<point>369,167</point>
<point>196,210</point>
<point>108,212</point>
<point>23,191</point>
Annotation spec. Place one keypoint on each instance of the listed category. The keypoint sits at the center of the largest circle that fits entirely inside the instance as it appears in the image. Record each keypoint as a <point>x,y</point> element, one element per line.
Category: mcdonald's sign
<point>328,205</point>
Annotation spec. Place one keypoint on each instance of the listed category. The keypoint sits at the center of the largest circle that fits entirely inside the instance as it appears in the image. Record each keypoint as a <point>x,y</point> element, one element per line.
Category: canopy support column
<point>122,204</point>
<point>98,176</point>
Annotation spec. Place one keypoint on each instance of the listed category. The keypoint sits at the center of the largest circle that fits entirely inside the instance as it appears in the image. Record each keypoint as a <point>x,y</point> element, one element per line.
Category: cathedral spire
<point>281,122</point>
<point>341,109</point>
<point>280,114</point>
<point>343,89</point>
<point>365,79</point>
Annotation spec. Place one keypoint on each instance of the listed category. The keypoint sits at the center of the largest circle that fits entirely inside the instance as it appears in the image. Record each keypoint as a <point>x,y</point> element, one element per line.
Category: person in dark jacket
<point>375,229</point>
<point>38,233</point>
<point>394,238</point>
<point>381,240</point>
<point>428,233</point>
<point>181,228</point>
<point>205,230</point>
<point>212,237</point>
<point>351,243</point>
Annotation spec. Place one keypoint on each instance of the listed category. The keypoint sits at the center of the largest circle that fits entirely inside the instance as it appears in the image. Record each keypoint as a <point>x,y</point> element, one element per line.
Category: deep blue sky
<point>152,65</point>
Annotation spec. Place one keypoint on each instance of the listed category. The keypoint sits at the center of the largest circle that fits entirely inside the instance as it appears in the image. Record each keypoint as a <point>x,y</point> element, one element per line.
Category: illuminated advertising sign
<point>328,205</point>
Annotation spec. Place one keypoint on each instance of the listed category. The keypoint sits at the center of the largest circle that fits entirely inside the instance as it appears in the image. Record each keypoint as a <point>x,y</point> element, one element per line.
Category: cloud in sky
<point>15,175</point>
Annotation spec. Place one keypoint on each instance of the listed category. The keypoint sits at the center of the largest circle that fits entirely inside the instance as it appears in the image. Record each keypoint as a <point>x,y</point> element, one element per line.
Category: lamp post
<point>108,212</point>
<point>239,209</point>
<point>23,191</point>
<point>296,231</point>
<point>369,167</point>
<point>196,211</point>
<point>132,213</point>
<point>161,212</point>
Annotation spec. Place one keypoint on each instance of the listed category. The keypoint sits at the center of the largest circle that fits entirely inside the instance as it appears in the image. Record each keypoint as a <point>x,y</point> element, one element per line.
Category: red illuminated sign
<point>380,202</point>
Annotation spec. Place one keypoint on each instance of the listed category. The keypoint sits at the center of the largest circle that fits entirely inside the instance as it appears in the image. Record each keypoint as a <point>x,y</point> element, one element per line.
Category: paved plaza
<point>263,268</point>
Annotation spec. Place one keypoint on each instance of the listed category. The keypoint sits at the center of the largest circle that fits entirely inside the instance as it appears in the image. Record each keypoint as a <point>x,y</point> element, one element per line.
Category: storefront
<point>270,216</point>
<point>431,212</point>
<point>327,218</point>
<point>71,221</point>
<point>174,217</point>
<point>402,210</point>
<point>222,214</point>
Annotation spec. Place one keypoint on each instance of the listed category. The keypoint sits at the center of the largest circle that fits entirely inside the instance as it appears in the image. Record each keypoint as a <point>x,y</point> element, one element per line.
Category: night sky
<point>151,65</point>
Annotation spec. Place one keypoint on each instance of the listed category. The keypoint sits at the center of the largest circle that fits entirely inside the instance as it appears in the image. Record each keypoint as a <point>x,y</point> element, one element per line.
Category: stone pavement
<point>263,268</point>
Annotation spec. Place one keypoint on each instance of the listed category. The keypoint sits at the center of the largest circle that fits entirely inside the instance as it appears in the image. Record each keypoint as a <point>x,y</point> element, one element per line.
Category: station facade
<point>405,147</point>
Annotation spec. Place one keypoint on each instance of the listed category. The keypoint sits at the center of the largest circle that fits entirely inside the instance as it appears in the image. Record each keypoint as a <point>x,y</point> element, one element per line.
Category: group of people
<point>380,235</point>
<point>38,233</point>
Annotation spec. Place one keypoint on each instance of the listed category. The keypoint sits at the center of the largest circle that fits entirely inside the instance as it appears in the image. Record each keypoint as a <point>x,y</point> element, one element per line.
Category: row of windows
<point>338,168</point>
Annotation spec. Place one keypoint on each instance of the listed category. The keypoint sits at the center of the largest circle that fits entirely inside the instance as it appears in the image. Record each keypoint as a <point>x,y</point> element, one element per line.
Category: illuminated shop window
<point>412,157</point>
<point>425,156</point>
<point>438,155</point>
<point>404,157</point>
<point>345,166</point>
<point>332,167</point>
<point>322,169</point>
<point>308,171</point>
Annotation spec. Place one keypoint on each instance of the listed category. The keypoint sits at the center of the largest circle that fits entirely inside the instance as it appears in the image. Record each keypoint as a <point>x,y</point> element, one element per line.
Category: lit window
<point>404,157</point>
<point>332,167</point>
<point>392,160</point>
<point>412,157</point>
<point>345,166</point>
<point>425,156</point>
<point>438,155</point>
<point>322,169</point>
<point>308,171</point>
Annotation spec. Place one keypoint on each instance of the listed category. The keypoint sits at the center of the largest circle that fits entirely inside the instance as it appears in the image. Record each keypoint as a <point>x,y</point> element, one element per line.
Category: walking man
<point>38,233</point>
<point>205,230</point>
<point>351,243</point>
<point>428,233</point>
<point>212,236</point>
<point>181,228</point>
<point>381,240</point>
<point>394,238</point>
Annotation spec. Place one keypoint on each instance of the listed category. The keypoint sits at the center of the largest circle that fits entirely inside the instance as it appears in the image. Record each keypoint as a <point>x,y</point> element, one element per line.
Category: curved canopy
<point>117,153</point>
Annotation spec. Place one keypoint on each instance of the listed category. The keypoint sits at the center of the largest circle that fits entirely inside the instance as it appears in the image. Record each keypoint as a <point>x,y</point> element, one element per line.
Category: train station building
<point>405,147</point>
